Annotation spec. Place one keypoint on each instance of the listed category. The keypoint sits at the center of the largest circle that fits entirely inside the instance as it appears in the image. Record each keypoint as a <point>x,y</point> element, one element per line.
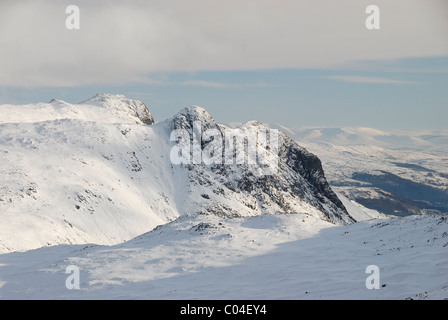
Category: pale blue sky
<point>296,63</point>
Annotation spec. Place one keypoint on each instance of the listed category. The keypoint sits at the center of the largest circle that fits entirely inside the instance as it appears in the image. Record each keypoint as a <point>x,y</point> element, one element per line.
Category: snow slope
<point>78,177</point>
<point>103,108</point>
<point>293,256</point>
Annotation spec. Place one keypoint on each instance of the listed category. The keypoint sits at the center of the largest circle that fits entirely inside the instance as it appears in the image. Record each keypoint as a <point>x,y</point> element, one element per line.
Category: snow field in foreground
<point>265,257</point>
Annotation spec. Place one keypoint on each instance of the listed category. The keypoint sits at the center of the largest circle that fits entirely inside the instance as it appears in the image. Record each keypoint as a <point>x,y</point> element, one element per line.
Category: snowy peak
<point>102,98</point>
<point>255,123</point>
<point>188,116</point>
<point>102,108</point>
<point>58,102</point>
<point>255,170</point>
<point>119,103</point>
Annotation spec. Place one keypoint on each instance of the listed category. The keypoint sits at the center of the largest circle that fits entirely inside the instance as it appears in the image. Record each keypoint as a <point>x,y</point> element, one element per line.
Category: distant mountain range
<point>396,172</point>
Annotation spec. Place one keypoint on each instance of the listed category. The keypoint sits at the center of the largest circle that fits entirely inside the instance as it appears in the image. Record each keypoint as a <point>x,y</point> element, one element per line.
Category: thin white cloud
<point>121,42</point>
<point>220,85</point>
<point>140,94</point>
<point>361,79</point>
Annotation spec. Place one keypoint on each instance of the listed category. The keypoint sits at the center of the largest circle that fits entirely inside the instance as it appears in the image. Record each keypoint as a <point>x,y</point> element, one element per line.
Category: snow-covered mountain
<point>101,172</point>
<point>98,186</point>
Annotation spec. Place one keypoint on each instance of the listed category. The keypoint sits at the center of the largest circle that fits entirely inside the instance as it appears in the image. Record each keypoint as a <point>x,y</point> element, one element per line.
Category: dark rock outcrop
<point>298,177</point>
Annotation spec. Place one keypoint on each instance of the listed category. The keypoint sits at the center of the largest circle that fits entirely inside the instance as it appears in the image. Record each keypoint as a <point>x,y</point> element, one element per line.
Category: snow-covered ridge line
<point>103,108</point>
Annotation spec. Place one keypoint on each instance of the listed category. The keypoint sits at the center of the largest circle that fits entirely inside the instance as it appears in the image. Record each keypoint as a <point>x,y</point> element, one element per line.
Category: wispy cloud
<point>219,85</point>
<point>140,94</point>
<point>360,79</point>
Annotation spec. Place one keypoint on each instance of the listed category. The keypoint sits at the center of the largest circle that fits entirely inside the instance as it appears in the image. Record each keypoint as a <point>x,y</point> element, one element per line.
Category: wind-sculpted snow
<point>263,257</point>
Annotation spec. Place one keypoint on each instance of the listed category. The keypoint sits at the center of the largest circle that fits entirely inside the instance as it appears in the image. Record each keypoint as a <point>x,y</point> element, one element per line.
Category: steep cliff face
<point>310,168</point>
<point>293,182</point>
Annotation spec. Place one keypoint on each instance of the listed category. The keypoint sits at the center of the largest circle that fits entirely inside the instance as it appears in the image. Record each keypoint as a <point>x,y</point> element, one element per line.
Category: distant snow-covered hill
<point>396,172</point>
